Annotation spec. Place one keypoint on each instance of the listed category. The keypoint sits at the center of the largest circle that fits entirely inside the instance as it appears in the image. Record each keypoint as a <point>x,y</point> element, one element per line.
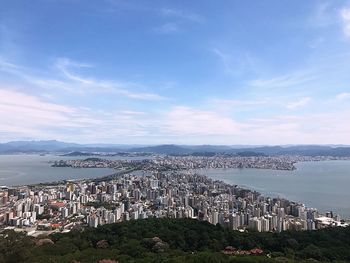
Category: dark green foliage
<point>176,240</point>
<point>14,247</point>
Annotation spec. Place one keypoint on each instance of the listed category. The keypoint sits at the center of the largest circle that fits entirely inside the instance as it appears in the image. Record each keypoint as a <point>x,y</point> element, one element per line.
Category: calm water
<point>323,185</point>
<point>29,169</point>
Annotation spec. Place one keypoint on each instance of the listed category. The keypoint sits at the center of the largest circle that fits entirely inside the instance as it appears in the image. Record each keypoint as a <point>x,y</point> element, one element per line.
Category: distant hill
<point>91,149</point>
<point>307,150</point>
<point>172,149</point>
<point>164,149</point>
<point>208,148</point>
<point>77,154</point>
<point>52,146</point>
<point>35,146</point>
<point>250,154</point>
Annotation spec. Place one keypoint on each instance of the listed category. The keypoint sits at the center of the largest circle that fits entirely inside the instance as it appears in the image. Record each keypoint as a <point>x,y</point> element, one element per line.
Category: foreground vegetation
<point>175,240</point>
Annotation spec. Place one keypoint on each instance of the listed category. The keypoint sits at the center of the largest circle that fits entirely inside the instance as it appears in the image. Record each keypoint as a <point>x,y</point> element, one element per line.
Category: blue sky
<point>186,72</point>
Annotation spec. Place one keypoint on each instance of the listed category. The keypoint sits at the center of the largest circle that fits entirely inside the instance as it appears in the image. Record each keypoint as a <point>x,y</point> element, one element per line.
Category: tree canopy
<point>175,240</point>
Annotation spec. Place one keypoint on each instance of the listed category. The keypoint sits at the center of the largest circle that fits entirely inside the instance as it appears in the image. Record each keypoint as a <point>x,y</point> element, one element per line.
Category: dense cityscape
<point>163,187</point>
<point>174,131</point>
<point>283,162</point>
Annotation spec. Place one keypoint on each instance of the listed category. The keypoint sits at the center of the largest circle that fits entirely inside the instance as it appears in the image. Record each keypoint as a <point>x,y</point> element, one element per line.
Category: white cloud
<point>189,121</point>
<point>170,12</point>
<point>75,83</point>
<point>239,103</point>
<point>28,116</point>
<point>65,64</point>
<point>284,81</point>
<point>226,60</point>
<point>190,125</point>
<point>321,128</point>
<point>343,96</point>
<point>10,98</point>
<point>6,66</point>
<point>167,28</point>
<point>326,14</point>
<point>235,62</point>
<point>178,18</point>
<point>299,103</point>
<point>24,116</point>
<point>130,112</point>
<point>345,16</point>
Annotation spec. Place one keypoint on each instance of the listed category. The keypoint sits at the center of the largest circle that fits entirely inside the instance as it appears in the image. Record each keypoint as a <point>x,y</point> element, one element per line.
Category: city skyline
<point>175,72</point>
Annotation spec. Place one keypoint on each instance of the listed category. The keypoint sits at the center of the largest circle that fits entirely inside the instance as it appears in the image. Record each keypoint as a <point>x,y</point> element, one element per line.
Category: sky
<point>184,72</point>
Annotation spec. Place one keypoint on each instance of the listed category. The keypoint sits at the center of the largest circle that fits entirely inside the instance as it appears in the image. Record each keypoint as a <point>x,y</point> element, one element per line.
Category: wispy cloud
<point>299,103</point>
<point>177,20</point>
<point>195,125</point>
<point>63,64</point>
<point>70,81</point>
<point>322,15</point>
<point>235,62</point>
<point>98,85</point>
<point>326,14</point>
<point>226,60</point>
<point>345,16</point>
<point>27,116</point>
<point>283,81</point>
<point>313,128</point>
<point>167,28</point>
<point>343,96</point>
<point>234,103</point>
<point>183,120</point>
<point>32,117</point>
<point>7,66</point>
<point>177,13</point>
<point>238,105</point>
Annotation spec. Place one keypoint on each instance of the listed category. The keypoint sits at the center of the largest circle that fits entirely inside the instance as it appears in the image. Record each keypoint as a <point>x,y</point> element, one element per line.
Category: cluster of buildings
<point>160,194</point>
<point>283,162</point>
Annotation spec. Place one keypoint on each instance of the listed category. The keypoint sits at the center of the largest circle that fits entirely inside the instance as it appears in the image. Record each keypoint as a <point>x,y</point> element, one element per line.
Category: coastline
<point>279,174</point>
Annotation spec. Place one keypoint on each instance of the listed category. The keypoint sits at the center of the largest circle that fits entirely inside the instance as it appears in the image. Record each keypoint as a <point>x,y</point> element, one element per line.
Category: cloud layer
<point>175,72</point>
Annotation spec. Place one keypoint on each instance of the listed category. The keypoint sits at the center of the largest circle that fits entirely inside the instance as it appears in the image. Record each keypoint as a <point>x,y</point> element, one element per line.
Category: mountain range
<point>53,146</point>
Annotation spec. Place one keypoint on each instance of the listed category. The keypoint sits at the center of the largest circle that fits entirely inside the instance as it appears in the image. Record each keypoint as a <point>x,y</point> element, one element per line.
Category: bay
<point>323,185</point>
<point>31,169</point>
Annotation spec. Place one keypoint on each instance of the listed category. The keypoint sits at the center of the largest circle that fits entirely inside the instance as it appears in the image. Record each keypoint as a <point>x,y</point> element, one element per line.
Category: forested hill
<point>176,240</point>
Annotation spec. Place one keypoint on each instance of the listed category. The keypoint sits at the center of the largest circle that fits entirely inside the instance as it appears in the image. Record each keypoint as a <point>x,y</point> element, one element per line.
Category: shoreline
<point>267,193</point>
<point>342,211</point>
